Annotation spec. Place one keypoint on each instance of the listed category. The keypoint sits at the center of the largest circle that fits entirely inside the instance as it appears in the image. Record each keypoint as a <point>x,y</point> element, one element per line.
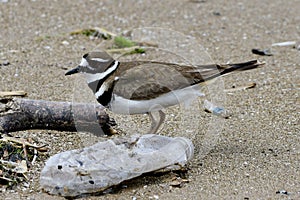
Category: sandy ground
<point>258,150</point>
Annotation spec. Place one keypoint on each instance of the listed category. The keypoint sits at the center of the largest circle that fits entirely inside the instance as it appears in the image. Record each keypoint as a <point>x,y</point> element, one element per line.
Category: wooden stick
<point>23,114</point>
<point>123,50</point>
<point>13,93</point>
<point>250,85</point>
<point>21,141</point>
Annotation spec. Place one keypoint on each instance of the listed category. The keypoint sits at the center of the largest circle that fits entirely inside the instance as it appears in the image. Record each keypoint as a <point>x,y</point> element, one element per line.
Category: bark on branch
<point>23,114</point>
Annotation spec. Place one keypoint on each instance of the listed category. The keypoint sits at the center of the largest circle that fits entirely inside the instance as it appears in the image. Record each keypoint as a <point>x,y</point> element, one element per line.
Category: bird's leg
<point>156,123</point>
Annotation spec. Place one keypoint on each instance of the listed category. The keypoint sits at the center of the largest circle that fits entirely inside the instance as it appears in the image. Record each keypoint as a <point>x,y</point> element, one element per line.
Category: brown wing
<point>144,80</point>
<point>147,79</point>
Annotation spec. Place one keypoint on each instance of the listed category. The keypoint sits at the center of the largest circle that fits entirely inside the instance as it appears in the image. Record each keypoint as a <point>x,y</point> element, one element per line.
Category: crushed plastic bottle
<point>108,163</point>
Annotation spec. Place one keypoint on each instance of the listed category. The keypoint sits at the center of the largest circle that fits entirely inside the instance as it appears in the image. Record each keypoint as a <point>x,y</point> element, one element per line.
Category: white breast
<point>121,105</point>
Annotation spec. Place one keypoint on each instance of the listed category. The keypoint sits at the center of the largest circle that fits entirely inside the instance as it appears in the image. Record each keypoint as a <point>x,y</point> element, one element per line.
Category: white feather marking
<point>101,90</point>
<point>98,76</point>
<point>84,63</point>
<point>99,59</point>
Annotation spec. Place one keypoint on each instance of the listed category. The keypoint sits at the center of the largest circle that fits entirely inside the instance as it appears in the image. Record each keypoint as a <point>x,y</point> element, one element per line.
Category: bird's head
<point>93,63</point>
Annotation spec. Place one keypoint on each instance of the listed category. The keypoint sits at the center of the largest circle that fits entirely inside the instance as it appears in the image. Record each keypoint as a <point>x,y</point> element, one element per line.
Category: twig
<point>13,93</point>
<point>35,152</point>
<point>105,32</point>
<point>250,85</point>
<point>21,141</point>
<point>25,151</point>
<point>9,163</point>
<point>123,50</point>
<point>6,179</point>
<point>148,44</point>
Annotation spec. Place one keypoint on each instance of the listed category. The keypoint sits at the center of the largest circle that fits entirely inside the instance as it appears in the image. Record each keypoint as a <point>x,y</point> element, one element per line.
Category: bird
<point>148,87</point>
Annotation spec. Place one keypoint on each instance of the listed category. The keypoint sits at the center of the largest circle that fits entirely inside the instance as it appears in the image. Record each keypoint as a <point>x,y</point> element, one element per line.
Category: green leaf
<point>122,42</point>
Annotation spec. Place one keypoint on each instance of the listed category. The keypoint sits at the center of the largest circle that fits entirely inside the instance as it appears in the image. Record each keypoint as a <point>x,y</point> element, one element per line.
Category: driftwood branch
<point>22,114</point>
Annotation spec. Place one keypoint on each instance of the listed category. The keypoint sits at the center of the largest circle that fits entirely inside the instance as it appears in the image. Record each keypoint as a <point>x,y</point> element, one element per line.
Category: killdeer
<point>139,87</point>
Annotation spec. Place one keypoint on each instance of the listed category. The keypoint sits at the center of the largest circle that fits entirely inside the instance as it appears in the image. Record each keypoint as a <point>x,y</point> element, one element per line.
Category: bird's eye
<point>85,55</point>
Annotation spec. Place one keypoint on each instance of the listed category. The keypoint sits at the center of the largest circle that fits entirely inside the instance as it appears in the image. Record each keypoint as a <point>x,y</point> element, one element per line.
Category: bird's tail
<point>228,68</point>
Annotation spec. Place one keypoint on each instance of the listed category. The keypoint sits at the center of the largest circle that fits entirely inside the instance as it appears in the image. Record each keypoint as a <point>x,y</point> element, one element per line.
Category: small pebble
<point>65,42</point>
<point>217,13</point>
<point>4,63</point>
<point>297,46</point>
<point>282,192</point>
<point>26,185</point>
<point>47,47</point>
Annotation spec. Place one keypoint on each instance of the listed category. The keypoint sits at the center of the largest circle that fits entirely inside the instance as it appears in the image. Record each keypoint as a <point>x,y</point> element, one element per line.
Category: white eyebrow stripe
<point>98,76</point>
<point>84,63</point>
<point>99,59</point>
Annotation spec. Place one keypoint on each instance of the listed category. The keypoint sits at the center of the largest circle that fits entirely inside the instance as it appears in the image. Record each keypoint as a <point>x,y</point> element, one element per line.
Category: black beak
<point>72,71</point>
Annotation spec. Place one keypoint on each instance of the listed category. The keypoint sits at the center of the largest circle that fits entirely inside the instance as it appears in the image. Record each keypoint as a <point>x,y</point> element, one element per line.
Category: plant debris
<point>249,86</point>
<point>178,181</point>
<point>127,50</point>
<point>13,93</point>
<point>15,157</point>
<point>120,44</point>
<point>128,46</point>
<point>94,32</point>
